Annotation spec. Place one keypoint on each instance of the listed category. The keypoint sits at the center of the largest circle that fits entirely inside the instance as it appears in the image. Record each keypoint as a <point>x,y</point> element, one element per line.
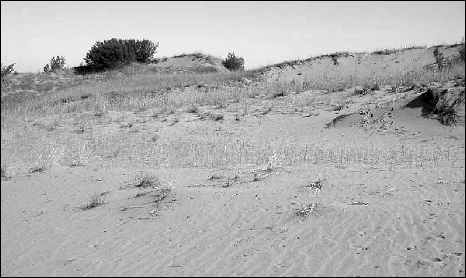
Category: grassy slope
<point>111,97</point>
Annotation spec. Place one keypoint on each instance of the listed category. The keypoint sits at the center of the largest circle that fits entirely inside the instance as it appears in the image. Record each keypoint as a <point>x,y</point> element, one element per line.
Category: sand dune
<point>279,186</point>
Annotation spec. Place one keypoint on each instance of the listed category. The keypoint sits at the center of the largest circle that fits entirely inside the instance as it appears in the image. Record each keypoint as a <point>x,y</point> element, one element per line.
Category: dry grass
<point>128,93</point>
<point>165,94</point>
<point>169,93</point>
<point>37,169</point>
<point>307,210</point>
<point>147,181</point>
<point>388,51</point>
<point>158,197</point>
<point>161,195</point>
<point>316,185</point>
<point>97,199</point>
<point>222,150</point>
<point>4,172</point>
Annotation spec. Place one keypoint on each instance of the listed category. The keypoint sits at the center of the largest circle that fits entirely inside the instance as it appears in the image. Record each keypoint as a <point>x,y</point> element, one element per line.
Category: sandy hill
<point>377,63</point>
<point>186,63</point>
<point>345,166</point>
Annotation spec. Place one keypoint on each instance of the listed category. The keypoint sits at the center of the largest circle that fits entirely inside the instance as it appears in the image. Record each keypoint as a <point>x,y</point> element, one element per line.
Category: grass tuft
<point>4,172</point>
<point>307,210</point>
<point>37,169</point>
<point>316,185</point>
<point>95,201</point>
<point>147,180</point>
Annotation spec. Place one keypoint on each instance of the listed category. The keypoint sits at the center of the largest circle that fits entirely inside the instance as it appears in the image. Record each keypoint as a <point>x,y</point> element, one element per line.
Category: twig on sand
<point>358,203</point>
<point>131,207</point>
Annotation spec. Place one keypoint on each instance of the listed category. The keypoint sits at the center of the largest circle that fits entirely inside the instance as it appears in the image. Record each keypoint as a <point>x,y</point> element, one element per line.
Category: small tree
<point>56,63</point>
<point>233,63</point>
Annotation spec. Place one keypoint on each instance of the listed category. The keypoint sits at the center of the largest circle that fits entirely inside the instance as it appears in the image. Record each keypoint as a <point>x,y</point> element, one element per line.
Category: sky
<point>261,32</point>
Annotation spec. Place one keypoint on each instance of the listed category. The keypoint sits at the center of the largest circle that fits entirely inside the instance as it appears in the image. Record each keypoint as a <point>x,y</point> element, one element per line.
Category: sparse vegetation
<point>461,50</point>
<point>388,51</point>
<point>197,55</point>
<point>193,108</point>
<point>161,194</point>
<point>164,94</point>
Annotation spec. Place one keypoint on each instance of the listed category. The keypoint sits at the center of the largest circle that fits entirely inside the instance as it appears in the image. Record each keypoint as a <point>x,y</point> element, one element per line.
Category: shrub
<point>233,63</point>
<point>334,59</point>
<point>56,63</point>
<point>439,58</point>
<point>6,70</point>
<point>114,53</point>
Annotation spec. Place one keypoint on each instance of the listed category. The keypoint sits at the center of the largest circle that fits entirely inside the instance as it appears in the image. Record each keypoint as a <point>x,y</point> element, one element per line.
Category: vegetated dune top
<point>193,62</point>
<point>361,64</point>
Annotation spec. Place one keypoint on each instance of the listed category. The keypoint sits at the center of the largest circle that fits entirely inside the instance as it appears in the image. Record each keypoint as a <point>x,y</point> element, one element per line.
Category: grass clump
<point>4,172</point>
<point>147,181</point>
<point>37,169</point>
<point>161,194</point>
<point>97,199</point>
<point>316,185</point>
<point>306,210</point>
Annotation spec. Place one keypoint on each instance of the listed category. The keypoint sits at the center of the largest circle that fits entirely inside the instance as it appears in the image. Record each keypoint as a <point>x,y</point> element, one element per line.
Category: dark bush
<point>439,58</point>
<point>114,53</point>
<point>82,70</point>
<point>335,59</point>
<point>233,63</point>
<point>6,70</point>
